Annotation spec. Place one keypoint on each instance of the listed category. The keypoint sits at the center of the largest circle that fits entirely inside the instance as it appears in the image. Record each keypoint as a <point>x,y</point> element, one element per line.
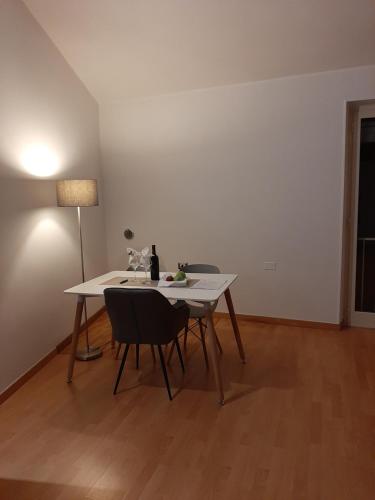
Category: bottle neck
<point>153,249</point>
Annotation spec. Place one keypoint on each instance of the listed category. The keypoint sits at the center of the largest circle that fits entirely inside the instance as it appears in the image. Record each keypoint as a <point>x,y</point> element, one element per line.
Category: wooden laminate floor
<point>299,424</point>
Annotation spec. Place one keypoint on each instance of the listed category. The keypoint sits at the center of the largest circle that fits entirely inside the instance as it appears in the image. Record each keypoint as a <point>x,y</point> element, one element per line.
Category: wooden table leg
<point>213,351</point>
<point>77,328</point>
<point>233,318</point>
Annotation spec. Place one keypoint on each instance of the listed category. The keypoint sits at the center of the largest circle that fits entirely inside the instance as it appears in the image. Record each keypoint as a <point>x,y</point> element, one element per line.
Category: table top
<point>94,288</point>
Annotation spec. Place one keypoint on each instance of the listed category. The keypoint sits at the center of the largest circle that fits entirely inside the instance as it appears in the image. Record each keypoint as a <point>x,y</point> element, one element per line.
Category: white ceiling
<point>123,48</point>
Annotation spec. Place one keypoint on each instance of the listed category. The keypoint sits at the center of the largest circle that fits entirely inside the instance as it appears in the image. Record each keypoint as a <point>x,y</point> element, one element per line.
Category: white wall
<point>236,176</point>
<point>42,105</point>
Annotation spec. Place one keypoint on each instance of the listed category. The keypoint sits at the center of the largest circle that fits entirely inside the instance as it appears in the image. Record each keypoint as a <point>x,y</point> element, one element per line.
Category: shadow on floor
<point>94,382</point>
<point>15,489</point>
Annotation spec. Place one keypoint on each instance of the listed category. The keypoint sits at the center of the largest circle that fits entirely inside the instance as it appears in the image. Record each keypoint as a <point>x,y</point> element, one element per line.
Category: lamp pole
<point>83,277</point>
<point>95,352</point>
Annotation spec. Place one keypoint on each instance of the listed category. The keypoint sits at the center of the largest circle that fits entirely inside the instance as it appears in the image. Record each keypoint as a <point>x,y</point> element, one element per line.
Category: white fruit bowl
<point>174,284</point>
<point>179,283</point>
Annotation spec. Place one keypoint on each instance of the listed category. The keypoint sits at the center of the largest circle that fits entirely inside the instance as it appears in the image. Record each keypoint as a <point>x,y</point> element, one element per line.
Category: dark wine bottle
<point>154,265</point>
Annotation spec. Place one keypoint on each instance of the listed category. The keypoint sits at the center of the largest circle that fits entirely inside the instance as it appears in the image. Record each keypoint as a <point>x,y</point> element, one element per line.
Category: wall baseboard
<point>46,359</point>
<point>26,376</point>
<point>282,321</point>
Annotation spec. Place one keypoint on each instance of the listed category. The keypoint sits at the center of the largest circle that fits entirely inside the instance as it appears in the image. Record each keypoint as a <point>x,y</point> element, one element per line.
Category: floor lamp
<point>80,193</point>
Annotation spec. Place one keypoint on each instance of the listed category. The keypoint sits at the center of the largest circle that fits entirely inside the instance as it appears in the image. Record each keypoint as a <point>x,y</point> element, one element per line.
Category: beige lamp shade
<point>77,193</point>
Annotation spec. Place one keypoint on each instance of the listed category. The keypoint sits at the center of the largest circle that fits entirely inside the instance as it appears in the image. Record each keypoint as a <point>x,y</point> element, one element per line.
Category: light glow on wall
<point>40,160</point>
<point>46,240</point>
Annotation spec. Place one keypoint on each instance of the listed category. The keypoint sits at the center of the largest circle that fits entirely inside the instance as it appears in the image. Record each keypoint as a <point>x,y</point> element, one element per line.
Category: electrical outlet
<point>269,266</point>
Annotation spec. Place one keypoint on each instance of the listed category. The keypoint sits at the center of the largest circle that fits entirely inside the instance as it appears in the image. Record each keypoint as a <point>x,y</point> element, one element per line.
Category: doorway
<point>360,217</point>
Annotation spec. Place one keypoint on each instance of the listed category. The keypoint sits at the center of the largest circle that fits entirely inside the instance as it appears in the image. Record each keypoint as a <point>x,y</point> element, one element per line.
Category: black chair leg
<point>164,371</point>
<point>203,343</point>
<point>185,336</point>
<point>153,353</point>
<point>218,344</point>
<point>137,356</point>
<point>170,353</point>
<point>121,368</point>
<point>179,354</point>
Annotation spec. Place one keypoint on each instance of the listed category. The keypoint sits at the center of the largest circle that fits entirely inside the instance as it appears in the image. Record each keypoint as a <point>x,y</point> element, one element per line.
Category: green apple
<point>180,276</point>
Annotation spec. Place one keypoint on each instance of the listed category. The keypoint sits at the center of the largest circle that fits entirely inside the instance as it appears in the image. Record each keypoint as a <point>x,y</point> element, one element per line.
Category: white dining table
<point>222,282</point>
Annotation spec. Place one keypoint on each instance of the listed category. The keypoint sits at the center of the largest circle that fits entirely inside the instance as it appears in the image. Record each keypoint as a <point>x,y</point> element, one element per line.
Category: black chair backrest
<point>201,268</point>
<point>139,316</point>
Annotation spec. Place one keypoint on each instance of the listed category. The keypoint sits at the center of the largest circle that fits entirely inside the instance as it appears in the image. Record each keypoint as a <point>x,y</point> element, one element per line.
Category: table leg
<point>213,351</point>
<point>77,328</point>
<point>236,330</point>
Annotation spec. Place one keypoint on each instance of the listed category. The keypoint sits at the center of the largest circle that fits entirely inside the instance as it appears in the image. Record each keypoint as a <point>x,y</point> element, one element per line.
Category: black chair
<point>145,316</point>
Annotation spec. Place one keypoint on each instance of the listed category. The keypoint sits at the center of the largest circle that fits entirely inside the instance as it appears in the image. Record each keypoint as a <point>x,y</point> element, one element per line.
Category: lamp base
<point>92,353</point>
